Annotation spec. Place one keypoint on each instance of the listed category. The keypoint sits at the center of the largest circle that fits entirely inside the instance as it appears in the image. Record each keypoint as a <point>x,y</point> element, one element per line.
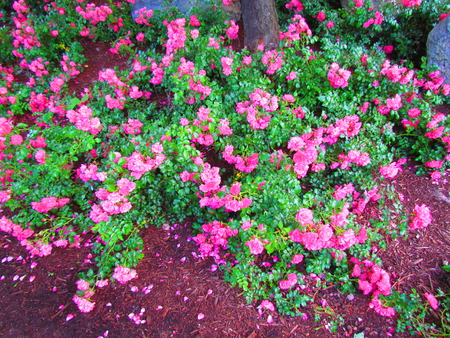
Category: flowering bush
<point>276,155</point>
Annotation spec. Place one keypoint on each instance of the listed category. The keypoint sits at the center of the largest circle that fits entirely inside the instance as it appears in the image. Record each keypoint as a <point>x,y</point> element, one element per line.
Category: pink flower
<point>338,77</point>
<point>233,30</point>
<point>382,310</point>
<point>297,259</point>
<point>123,274</point>
<point>390,171</point>
<point>321,16</point>
<point>255,245</point>
<point>388,49</point>
<point>195,33</point>
<point>265,304</point>
<point>140,36</point>
<point>330,24</point>
<point>83,304</point>
<point>16,140</point>
<point>436,133</point>
<point>421,217</point>
<point>194,21</point>
<point>290,282</point>
<point>434,164</point>
<point>291,76</point>
<point>304,216</point>
<point>431,300</point>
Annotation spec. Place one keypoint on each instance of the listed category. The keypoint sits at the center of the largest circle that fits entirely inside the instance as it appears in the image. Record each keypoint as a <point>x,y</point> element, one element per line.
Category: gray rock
<point>185,6</point>
<point>438,48</point>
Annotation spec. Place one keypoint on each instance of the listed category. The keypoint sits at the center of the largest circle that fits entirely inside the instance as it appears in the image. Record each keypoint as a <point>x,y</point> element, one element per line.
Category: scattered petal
<point>69,317</point>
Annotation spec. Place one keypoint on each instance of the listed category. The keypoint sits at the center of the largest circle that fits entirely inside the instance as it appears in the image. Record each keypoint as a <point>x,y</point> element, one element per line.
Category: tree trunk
<point>260,24</point>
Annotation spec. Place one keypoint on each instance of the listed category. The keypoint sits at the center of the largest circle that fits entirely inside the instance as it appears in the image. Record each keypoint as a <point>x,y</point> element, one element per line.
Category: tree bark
<point>260,24</point>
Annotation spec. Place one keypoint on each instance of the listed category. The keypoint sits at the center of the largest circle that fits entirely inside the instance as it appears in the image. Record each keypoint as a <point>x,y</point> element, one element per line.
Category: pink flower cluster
<point>211,179</point>
<point>214,238</point>
<point>122,42</point>
<point>261,103</point>
<point>15,230</point>
<point>421,217</point>
<point>226,65</point>
<point>83,304</point>
<point>36,66</point>
<point>132,127</point>
<point>233,30</point>
<point>112,202</point>
<point>374,21</point>
<point>289,282</point>
<point>295,5</point>
<point>411,3</point>
<point>273,60</point>
<point>176,35</point>
<point>90,172</point>
<point>305,146</point>
<point>48,203</point>
<point>83,120</point>
<point>396,73</point>
<point>143,16</point>
<point>57,83</point>
<point>392,169</point>
<point>70,67</point>
<point>94,13</point>
<point>394,103</point>
<point>431,300</point>
<point>255,245</point>
<point>338,77</point>
<point>123,274</point>
<point>40,249</point>
<point>139,164</point>
<point>25,34</point>
<point>241,163</point>
<point>373,279</point>
<point>319,236</point>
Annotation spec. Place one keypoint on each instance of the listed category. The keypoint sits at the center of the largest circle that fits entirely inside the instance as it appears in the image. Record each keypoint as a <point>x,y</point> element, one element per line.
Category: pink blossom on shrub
<point>16,140</point>
<point>226,65</point>
<point>321,16</point>
<point>431,300</point>
<point>289,282</point>
<point>83,304</point>
<point>48,203</point>
<point>338,77</point>
<point>193,21</point>
<point>434,164</point>
<point>390,171</point>
<point>273,60</point>
<point>233,30</point>
<point>295,5</point>
<point>411,3</point>
<point>330,24</point>
<point>291,76</point>
<point>40,156</point>
<point>97,214</point>
<point>123,274</point>
<point>304,216</point>
<point>342,191</point>
<point>421,217</point>
<point>255,245</point>
<point>297,259</point>
<point>382,310</point>
<point>435,133</point>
